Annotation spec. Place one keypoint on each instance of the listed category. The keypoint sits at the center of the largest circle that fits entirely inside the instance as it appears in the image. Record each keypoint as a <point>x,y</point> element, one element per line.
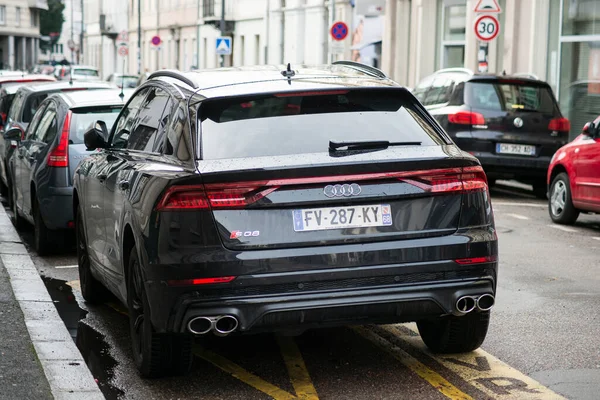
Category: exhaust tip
<point>200,325</point>
<point>485,302</point>
<point>465,304</point>
<point>226,324</point>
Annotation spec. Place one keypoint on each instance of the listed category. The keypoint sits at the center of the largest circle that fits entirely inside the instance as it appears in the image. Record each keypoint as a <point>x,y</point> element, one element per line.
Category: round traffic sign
<point>156,40</point>
<point>123,51</point>
<point>487,28</point>
<point>339,30</point>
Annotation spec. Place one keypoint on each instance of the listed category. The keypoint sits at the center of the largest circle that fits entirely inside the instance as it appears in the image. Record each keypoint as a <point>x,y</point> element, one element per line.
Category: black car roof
<point>263,79</point>
<point>53,86</point>
<point>464,75</point>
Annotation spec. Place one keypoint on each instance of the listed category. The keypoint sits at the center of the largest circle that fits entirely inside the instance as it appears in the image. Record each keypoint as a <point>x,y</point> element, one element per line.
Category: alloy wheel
<point>558,198</point>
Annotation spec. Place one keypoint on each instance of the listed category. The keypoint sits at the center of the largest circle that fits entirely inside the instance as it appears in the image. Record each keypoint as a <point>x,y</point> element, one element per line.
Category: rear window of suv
<point>503,96</point>
<point>305,122</point>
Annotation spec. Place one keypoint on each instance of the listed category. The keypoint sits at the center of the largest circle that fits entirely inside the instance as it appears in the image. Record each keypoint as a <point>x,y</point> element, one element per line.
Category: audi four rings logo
<point>345,190</point>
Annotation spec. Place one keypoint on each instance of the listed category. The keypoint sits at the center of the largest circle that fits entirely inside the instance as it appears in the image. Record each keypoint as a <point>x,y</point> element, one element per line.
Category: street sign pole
<point>487,28</point>
<point>139,43</point>
<point>222,26</point>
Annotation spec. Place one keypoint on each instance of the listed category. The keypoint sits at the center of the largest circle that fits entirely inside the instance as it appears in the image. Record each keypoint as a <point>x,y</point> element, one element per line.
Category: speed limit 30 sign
<point>487,28</point>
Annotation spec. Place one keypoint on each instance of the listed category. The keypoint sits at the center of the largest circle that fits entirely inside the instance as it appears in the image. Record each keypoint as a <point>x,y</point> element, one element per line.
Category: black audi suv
<point>282,199</point>
<point>512,124</point>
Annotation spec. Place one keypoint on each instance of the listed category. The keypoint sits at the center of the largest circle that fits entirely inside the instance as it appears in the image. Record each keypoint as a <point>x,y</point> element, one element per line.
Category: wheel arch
<point>557,169</point>
<point>128,244</point>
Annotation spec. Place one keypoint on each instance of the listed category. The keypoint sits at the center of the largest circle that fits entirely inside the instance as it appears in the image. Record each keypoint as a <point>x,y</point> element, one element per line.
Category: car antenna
<point>71,77</point>
<point>288,73</point>
<point>504,72</point>
<point>122,94</point>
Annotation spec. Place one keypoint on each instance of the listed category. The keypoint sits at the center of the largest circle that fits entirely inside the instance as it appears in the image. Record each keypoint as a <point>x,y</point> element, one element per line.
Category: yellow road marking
<point>243,375</point>
<point>297,370</point>
<point>432,377</point>
<point>483,371</point>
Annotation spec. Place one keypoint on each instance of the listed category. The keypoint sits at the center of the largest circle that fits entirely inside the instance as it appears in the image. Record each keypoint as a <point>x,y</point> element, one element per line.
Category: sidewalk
<point>21,374</point>
<point>38,358</point>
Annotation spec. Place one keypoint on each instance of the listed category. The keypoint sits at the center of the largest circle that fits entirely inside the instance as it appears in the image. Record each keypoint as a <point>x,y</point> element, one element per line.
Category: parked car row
<point>514,126</point>
<point>41,145</point>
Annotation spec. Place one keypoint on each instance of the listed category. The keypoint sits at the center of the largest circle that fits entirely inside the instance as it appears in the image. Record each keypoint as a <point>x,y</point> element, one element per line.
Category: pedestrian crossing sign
<point>223,45</point>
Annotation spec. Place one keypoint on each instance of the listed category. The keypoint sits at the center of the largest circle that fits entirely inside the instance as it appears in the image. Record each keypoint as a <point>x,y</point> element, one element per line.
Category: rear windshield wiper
<point>367,145</point>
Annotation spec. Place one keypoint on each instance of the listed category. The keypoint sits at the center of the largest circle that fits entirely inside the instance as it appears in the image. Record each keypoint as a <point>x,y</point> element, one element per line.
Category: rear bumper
<point>370,305</point>
<point>513,167</point>
<point>56,205</point>
<point>326,286</point>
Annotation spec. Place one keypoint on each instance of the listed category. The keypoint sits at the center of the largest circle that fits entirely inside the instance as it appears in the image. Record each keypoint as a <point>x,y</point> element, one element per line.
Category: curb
<point>64,367</point>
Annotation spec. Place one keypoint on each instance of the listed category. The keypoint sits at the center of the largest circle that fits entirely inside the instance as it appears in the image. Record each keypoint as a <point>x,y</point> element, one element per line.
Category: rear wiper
<point>367,145</point>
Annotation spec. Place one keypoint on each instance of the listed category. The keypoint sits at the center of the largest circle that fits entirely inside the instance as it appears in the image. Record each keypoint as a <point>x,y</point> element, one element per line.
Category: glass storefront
<point>579,65</point>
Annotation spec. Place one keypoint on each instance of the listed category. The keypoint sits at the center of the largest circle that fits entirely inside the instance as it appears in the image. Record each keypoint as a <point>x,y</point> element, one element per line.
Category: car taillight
<point>560,125</point>
<point>59,156</point>
<point>467,179</point>
<point>201,281</point>
<point>241,194</point>
<point>215,196</point>
<point>466,118</point>
<point>476,260</point>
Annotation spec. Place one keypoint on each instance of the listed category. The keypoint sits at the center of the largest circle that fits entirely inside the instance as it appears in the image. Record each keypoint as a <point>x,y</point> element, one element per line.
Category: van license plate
<point>519,149</point>
<point>318,219</point>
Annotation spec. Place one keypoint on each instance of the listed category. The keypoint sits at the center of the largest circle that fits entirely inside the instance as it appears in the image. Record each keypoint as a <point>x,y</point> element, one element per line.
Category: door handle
<point>102,177</point>
<point>124,185</point>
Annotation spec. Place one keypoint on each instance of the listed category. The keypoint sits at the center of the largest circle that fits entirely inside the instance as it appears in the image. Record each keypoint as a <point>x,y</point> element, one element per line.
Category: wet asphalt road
<point>545,326</point>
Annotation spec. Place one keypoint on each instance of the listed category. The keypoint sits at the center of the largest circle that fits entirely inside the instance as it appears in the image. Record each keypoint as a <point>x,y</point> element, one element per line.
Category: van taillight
<point>59,156</point>
<point>560,125</point>
<point>466,118</point>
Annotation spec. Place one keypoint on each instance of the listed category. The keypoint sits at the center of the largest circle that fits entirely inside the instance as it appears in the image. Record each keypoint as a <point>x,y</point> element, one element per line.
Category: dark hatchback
<point>23,107</point>
<point>512,124</point>
<point>266,199</point>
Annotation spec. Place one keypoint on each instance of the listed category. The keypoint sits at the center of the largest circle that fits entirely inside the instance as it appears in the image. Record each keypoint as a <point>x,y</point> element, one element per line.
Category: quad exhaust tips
<point>466,304</point>
<point>221,325</point>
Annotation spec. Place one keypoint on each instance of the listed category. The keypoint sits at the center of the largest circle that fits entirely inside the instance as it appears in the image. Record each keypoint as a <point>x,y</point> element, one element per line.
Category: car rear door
<point>521,117</point>
<point>34,151</point>
<point>135,138</point>
<point>18,159</point>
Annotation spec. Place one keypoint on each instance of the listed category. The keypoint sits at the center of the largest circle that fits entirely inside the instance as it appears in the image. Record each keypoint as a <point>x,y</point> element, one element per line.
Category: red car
<point>574,176</point>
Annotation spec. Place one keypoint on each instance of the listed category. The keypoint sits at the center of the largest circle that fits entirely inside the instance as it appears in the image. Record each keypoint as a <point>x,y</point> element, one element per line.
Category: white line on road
<point>67,266</point>
<point>563,228</point>
<point>518,216</point>
<point>516,204</point>
<point>596,238</point>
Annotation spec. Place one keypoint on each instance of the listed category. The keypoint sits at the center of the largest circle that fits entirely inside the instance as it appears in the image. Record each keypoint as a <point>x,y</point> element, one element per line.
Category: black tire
<point>15,218</point>
<point>44,239</point>
<point>155,354</point>
<point>91,289</point>
<point>455,334</point>
<point>540,190</point>
<point>560,203</point>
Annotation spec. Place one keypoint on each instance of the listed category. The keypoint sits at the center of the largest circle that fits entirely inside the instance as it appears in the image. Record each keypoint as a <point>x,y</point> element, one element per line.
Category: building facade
<point>19,33</point>
<point>556,40</point>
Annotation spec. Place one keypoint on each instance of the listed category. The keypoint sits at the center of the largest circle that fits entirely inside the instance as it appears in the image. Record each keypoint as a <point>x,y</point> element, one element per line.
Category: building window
<point>208,8</point>
<point>578,64</point>
<point>18,17</point>
<point>33,16</point>
<point>454,23</point>
<point>2,15</point>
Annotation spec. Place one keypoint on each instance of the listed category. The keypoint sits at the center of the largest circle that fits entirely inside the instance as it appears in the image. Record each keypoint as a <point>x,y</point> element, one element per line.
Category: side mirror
<point>95,138</point>
<point>590,129</point>
<point>13,134</point>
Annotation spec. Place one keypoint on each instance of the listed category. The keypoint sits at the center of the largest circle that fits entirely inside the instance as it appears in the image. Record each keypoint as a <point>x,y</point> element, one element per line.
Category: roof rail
<point>171,73</point>
<point>463,70</point>
<point>367,69</point>
<point>526,75</point>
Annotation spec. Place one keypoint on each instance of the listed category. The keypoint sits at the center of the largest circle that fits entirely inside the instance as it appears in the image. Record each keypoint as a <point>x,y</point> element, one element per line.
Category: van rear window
<point>502,96</point>
<point>305,122</point>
